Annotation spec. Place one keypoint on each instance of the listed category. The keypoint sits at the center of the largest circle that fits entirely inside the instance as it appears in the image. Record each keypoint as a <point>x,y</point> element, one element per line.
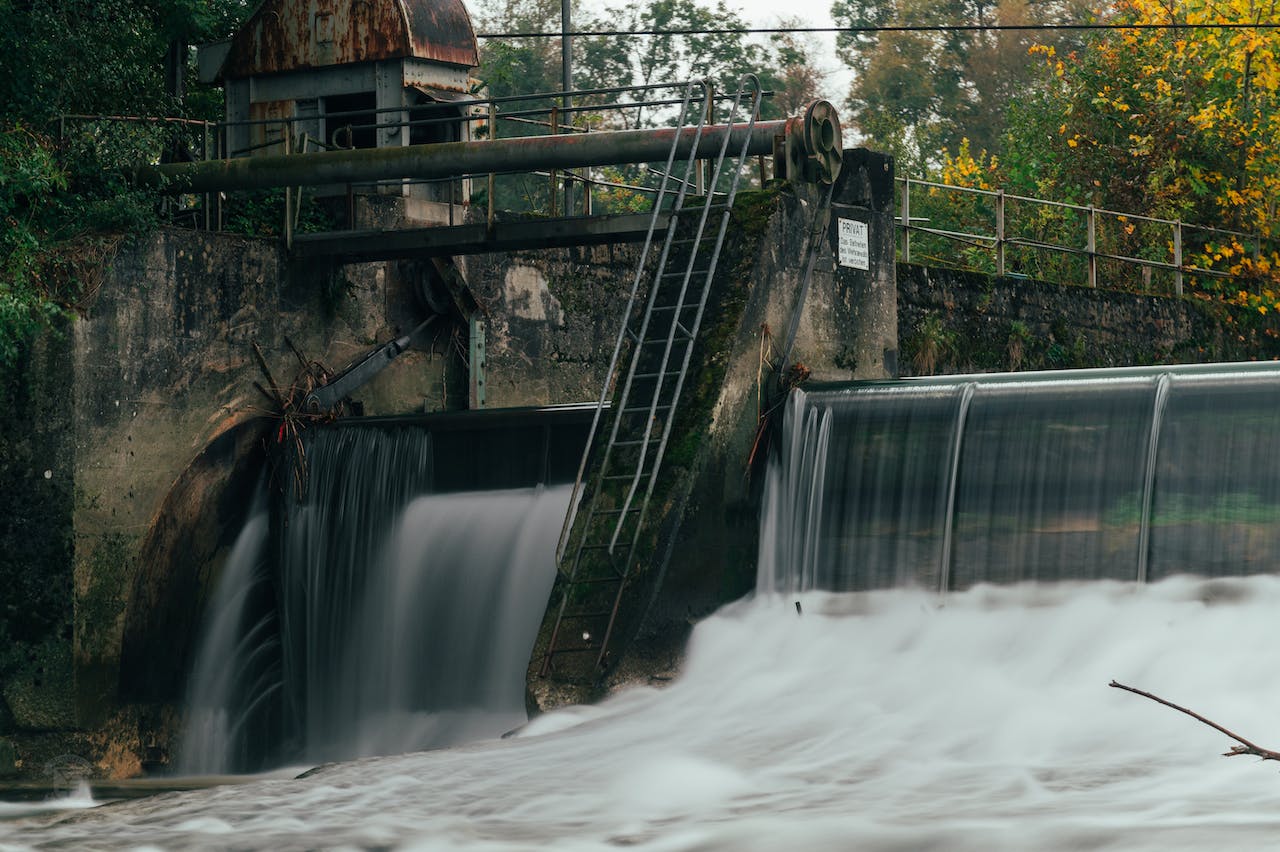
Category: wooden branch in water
<point>1245,746</point>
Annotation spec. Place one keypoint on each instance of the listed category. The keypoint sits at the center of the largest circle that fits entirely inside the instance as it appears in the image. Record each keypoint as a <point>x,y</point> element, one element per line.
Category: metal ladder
<point>598,546</point>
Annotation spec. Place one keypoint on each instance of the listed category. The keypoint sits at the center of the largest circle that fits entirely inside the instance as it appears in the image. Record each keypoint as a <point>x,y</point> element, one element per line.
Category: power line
<point>902,28</point>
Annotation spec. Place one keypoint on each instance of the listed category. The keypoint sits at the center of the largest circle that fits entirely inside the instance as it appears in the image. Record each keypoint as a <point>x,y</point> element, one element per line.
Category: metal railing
<point>1023,229</point>
<point>568,192</point>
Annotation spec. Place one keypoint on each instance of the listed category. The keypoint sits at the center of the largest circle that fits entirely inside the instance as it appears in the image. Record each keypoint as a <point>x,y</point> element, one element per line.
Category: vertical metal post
<point>566,51</point>
<point>586,183</point>
<point>288,194</point>
<point>906,220</point>
<point>555,128</point>
<point>1000,232</point>
<point>1091,245</point>
<point>476,367</point>
<point>1177,257</point>
<point>207,201</point>
<point>566,86</point>
<point>224,153</point>
<point>764,173</point>
<point>709,113</point>
<point>493,134</point>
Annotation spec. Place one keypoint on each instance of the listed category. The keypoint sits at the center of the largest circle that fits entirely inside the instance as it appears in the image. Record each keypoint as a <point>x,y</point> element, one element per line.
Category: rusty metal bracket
<point>324,398</point>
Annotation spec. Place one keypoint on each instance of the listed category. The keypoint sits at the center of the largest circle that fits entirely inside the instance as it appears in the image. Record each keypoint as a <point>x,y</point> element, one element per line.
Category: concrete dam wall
<point>132,440</point>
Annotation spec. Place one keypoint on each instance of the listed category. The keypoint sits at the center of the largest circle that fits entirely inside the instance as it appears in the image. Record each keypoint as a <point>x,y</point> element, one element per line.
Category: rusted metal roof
<point>289,35</point>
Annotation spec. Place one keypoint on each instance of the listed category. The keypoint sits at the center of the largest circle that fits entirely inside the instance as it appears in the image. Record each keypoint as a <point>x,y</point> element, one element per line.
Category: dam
<point>852,698</point>
<point>755,589</point>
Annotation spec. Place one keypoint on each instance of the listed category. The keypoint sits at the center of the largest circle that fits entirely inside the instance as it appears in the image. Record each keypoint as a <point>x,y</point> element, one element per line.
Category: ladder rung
<point>684,307</point>
<point>684,335</point>
<point>616,511</point>
<point>656,375</point>
<point>573,649</point>
<point>604,613</point>
<point>700,208</point>
<point>638,443</point>
<point>617,578</point>
<point>682,272</point>
<point>644,408</point>
<point>626,477</point>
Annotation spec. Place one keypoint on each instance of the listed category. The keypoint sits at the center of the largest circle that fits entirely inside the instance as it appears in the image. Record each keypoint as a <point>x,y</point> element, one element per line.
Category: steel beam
<point>453,159</point>
<point>478,238</point>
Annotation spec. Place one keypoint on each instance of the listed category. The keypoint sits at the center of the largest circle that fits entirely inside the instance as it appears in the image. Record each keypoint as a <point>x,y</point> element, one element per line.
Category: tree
<point>529,65</point>
<point>654,62</point>
<point>1178,124</point>
<point>64,200</point>
<point>798,80</point>
<point>915,93</point>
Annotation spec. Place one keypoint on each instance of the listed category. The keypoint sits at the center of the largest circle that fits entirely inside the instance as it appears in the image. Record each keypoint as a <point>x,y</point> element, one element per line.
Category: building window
<point>350,120</point>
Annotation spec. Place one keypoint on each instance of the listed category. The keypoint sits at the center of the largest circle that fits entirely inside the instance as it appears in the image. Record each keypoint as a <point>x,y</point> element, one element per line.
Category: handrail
<point>1178,263</point>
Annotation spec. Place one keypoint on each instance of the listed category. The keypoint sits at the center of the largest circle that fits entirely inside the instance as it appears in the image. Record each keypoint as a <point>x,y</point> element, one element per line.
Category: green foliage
<point>260,213</point>
<point>931,345</point>
<point>63,211</point>
<point>28,173</point>
<point>916,93</point>
<point>533,65</point>
<point>64,196</point>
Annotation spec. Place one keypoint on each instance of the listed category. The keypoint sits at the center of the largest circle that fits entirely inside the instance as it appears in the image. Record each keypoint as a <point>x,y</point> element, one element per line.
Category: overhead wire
<point>889,28</point>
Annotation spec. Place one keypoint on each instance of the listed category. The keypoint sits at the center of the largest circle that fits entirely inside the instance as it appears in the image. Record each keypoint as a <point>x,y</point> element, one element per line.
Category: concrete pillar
<point>861,235</point>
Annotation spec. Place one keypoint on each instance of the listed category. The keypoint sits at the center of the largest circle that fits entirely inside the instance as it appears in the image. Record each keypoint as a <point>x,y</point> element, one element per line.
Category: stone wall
<point>952,322</point>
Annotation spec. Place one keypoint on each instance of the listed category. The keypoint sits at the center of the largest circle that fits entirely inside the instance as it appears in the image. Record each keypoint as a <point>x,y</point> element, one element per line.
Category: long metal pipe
<point>452,159</point>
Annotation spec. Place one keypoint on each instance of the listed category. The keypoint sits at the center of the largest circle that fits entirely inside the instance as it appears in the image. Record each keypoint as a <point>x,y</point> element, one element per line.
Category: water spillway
<point>944,483</point>
<point>386,598</point>
<point>892,718</point>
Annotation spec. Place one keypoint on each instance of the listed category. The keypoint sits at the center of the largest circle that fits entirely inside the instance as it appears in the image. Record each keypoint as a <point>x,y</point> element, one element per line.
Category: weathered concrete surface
<point>101,422</point>
<point>37,484</point>
<point>962,322</point>
<point>553,317</point>
<point>131,445</point>
<point>164,364</point>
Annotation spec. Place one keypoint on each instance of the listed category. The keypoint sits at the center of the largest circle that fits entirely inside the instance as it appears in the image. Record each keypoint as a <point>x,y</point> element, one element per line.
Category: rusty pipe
<point>451,159</point>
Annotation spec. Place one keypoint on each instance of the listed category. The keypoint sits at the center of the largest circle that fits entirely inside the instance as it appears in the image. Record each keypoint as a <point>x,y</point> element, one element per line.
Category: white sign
<point>854,246</point>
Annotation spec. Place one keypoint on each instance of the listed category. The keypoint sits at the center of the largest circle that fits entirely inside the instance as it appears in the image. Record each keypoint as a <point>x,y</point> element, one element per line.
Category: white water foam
<point>881,720</point>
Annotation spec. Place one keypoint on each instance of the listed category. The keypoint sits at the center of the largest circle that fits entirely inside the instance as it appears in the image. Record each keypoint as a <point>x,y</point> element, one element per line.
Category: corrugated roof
<point>288,35</point>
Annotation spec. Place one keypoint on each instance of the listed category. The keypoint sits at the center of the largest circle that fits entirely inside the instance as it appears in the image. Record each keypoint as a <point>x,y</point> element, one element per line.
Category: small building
<point>348,74</point>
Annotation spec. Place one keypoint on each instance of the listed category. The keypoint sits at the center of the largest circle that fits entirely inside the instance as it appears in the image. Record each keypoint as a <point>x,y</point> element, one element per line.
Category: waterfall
<point>1103,474</point>
<point>237,673</point>
<point>367,614</point>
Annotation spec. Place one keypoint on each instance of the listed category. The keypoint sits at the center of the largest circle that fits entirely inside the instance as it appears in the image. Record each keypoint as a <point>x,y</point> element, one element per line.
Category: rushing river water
<point>874,720</point>
<point>865,718</point>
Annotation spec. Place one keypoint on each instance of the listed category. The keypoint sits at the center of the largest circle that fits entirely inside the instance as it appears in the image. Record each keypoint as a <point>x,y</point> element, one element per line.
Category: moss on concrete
<point>722,325</point>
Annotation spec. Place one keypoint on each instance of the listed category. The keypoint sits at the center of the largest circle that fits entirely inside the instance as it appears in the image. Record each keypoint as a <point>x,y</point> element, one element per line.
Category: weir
<point>1127,474</point>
